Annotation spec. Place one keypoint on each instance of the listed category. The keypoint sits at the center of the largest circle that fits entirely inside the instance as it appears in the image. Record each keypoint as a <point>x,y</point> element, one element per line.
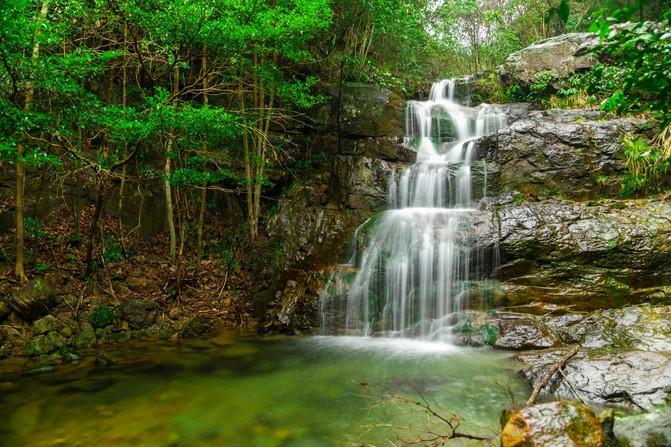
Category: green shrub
<point>102,315</point>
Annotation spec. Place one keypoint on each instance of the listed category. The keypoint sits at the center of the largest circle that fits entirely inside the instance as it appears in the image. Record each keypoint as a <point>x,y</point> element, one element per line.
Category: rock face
<point>556,424</point>
<point>652,429</point>
<point>561,55</point>
<point>575,154</point>
<point>638,379</point>
<point>587,256</point>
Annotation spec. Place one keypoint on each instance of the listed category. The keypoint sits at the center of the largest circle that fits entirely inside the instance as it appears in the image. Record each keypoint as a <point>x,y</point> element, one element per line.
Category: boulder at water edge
<point>555,424</point>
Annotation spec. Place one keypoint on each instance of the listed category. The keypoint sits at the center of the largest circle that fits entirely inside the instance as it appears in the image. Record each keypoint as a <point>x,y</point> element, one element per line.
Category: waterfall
<point>415,265</point>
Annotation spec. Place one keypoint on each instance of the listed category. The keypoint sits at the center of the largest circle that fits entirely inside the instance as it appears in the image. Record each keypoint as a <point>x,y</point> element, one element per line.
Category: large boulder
<point>35,298</point>
<point>586,256</point>
<point>576,154</point>
<point>639,379</point>
<point>555,424</point>
<point>648,429</point>
<point>560,55</point>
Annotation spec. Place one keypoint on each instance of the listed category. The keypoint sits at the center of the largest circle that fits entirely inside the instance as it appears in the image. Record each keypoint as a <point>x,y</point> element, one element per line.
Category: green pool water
<point>257,392</point>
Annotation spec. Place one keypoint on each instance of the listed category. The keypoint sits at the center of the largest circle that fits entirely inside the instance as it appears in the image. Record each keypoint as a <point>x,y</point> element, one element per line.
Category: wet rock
<point>585,256</point>
<point>202,326</point>
<point>102,315</point>
<point>295,311</point>
<point>555,424</point>
<point>560,55</point>
<point>650,429</point>
<point>642,327</point>
<point>524,333</point>
<point>85,338</point>
<point>637,379</point>
<point>577,154</point>
<point>45,344</point>
<point>140,314</point>
<point>46,324</point>
<point>35,298</point>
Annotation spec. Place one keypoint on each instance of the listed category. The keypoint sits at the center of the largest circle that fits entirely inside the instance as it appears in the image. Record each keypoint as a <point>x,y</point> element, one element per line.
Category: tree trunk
<point>19,269</point>
<point>166,177</point>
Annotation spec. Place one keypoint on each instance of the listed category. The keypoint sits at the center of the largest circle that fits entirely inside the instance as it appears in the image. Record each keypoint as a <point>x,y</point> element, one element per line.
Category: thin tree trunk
<point>247,161</point>
<point>100,201</point>
<point>203,192</point>
<point>19,269</point>
<point>124,104</point>
<point>166,174</point>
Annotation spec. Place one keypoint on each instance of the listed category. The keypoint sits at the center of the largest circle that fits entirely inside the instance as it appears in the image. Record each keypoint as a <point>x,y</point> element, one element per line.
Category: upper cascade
<point>417,265</point>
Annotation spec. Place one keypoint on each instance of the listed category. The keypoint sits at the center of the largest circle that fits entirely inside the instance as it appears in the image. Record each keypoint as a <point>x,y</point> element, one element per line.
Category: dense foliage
<point>201,96</point>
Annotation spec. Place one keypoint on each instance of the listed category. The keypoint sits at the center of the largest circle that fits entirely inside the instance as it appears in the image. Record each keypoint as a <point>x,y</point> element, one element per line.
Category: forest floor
<point>127,267</point>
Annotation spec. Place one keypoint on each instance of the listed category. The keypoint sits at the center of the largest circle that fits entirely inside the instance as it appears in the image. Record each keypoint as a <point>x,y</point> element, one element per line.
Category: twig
<point>551,372</point>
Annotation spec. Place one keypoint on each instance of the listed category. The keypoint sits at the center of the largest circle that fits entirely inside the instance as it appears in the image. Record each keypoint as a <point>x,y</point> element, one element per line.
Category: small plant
<point>42,267</point>
<point>647,161</point>
<point>113,251</point>
<point>33,228</point>
<point>489,333</point>
<point>102,315</point>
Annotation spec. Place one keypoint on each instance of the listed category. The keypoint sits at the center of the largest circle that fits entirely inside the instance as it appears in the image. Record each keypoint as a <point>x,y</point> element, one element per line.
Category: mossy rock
<point>202,326</point>
<point>46,324</point>
<point>45,344</point>
<point>85,338</point>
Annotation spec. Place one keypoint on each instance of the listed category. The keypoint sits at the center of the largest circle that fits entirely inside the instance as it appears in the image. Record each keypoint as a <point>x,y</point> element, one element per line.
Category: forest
<point>215,214</point>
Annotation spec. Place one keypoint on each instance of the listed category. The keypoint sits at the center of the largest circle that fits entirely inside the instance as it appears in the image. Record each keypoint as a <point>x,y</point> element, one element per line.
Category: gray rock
<point>35,298</point>
<point>140,314</point>
<point>643,327</point>
<point>575,154</point>
<point>637,379</point>
<point>555,424</point>
<point>589,257</point>
<point>369,111</point>
<point>524,333</point>
<point>561,55</point>
<point>650,429</point>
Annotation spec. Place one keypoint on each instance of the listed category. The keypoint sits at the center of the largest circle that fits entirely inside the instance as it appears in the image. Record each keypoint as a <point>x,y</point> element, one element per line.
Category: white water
<point>418,265</point>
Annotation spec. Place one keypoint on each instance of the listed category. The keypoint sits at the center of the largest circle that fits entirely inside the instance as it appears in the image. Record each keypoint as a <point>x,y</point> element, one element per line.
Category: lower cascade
<point>415,266</point>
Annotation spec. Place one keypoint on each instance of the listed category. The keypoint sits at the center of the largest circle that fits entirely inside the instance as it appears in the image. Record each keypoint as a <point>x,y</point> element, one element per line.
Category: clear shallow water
<point>263,392</point>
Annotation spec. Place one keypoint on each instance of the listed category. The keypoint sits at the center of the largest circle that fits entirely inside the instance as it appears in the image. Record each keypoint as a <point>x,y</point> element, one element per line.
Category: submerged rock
<point>637,379</point>
<point>555,424</point>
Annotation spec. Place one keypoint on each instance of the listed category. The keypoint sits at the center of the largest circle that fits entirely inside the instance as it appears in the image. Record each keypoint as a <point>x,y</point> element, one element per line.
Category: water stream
<point>417,265</point>
<point>255,392</point>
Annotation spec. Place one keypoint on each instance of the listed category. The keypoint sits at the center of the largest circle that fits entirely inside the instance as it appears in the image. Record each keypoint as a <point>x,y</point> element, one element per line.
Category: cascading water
<point>418,264</point>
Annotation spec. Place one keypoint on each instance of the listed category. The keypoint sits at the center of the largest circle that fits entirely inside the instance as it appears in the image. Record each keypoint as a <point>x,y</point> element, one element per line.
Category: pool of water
<point>258,392</point>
